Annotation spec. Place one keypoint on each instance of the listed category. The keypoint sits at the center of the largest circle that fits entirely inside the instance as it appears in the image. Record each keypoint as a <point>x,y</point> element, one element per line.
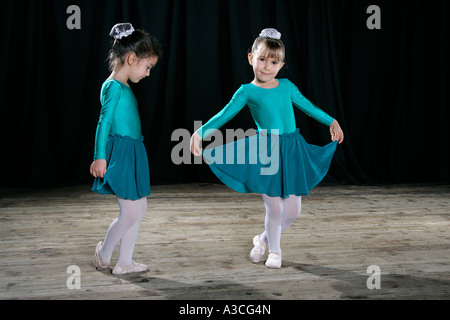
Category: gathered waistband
<point>265,132</point>
<point>128,138</point>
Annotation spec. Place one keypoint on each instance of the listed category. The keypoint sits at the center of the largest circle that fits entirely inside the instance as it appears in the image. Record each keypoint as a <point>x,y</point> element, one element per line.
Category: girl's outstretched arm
<point>336,132</point>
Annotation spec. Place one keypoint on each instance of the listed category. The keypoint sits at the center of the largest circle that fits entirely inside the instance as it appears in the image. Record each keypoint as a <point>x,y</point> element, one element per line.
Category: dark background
<point>388,88</point>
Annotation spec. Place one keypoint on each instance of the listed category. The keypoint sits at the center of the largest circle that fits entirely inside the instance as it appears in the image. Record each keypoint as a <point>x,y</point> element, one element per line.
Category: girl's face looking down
<point>140,67</point>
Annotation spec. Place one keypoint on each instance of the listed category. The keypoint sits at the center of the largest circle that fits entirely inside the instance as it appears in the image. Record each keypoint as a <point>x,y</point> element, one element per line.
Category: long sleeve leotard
<point>119,115</point>
<point>270,108</point>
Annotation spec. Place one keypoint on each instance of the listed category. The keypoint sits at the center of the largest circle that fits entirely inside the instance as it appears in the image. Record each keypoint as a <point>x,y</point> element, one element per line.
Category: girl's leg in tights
<point>280,214</point>
<point>124,229</point>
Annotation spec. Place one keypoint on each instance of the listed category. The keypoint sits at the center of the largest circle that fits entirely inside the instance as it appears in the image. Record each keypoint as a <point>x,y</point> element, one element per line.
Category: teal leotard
<point>270,108</point>
<point>119,115</point>
<point>295,167</point>
<point>119,141</point>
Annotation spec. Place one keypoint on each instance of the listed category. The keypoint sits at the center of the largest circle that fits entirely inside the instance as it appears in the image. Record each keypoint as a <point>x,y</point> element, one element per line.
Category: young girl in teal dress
<point>120,164</point>
<point>300,166</point>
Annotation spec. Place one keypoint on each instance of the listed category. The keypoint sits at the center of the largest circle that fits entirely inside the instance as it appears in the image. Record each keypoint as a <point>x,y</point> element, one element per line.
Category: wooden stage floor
<point>197,238</point>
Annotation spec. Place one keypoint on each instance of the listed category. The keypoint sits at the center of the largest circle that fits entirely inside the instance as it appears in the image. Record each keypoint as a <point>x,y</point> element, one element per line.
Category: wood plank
<point>197,237</point>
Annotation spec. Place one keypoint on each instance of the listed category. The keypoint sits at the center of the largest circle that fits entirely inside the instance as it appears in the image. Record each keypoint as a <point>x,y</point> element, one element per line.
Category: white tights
<point>280,214</point>
<point>124,229</point>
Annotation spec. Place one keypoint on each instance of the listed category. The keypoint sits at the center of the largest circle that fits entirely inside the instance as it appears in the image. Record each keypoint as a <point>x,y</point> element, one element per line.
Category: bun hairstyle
<point>269,41</point>
<point>128,40</point>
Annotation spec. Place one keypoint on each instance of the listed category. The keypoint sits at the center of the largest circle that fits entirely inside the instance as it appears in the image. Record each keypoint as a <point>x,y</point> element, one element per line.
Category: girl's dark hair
<point>140,42</point>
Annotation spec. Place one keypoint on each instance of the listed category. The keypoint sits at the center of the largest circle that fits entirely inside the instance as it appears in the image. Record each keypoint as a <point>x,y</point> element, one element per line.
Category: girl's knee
<point>274,206</point>
<point>293,206</point>
<point>292,215</point>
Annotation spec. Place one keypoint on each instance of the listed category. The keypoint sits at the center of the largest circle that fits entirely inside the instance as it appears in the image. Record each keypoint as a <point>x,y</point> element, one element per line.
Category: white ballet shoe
<point>258,251</point>
<point>98,262</point>
<point>131,268</point>
<point>274,260</point>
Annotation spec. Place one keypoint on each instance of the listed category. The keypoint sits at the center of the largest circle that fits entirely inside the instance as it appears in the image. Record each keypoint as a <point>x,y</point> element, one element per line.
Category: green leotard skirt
<point>127,174</point>
<point>276,165</point>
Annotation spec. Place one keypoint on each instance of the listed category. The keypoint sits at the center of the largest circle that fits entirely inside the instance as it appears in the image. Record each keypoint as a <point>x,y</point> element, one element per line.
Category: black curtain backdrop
<point>388,88</point>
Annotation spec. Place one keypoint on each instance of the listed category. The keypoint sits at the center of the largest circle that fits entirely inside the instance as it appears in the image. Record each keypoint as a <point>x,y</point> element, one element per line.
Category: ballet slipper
<point>258,251</point>
<point>98,262</point>
<point>274,260</point>
<point>131,268</point>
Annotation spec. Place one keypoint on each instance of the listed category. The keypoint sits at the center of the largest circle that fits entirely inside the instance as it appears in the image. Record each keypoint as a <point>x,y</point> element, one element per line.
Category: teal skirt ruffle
<point>127,175</point>
<point>276,165</point>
